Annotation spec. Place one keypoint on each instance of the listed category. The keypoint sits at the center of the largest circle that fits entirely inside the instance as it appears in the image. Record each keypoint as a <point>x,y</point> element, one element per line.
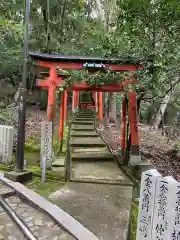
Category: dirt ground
<point>154,148</point>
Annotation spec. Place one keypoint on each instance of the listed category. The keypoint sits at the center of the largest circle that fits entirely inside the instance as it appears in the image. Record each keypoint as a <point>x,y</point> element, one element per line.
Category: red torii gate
<point>54,81</point>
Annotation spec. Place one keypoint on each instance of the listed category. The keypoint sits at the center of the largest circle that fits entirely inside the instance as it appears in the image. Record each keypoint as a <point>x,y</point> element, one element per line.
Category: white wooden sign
<point>146,204</point>
<point>46,142</point>
<point>6,144</point>
<point>43,165</point>
<point>175,201</point>
<point>162,220</point>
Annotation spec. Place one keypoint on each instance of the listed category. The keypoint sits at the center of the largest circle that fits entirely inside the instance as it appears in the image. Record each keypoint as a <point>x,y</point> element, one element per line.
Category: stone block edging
<point>64,219</point>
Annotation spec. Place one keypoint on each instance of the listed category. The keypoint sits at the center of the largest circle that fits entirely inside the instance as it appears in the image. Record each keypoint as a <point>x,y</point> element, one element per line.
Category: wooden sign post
<point>46,143</point>
<point>146,204</point>
<point>163,207</point>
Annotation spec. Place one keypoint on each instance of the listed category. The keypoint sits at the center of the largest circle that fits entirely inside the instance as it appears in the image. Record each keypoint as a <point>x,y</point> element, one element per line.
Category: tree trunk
<point>100,10</point>
<point>109,105</point>
<point>162,109</point>
<point>106,108</point>
<point>113,109</point>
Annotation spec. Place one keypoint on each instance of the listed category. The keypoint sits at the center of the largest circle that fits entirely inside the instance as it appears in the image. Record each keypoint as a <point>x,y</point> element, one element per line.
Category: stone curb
<point>60,216</point>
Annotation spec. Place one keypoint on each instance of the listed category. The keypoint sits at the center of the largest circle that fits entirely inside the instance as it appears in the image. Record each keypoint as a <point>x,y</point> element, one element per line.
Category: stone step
<point>82,127</point>
<point>84,119</point>
<point>83,122</point>
<point>98,171</point>
<point>87,142</point>
<point>59,162</point>
<point>84,116</point>
<point>84,134</point>
<point>89,150</point>
<point>86,111</point>
<point>92,156</point>
<point>103,209</point>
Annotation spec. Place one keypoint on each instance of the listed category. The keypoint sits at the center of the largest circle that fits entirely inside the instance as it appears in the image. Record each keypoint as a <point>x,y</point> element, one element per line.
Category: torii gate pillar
<point>61,124</point>
<point>100,106</point>
<point>135,157</point>
<point>96,102</point>
<point>51,83</point>
<point>75,100</point>
<point>65,107</point>
<point>123,128</point>
<point>52,96</point>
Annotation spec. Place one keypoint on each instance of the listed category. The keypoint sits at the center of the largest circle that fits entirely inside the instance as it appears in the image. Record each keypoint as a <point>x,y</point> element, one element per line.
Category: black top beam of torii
<point>59,57</point>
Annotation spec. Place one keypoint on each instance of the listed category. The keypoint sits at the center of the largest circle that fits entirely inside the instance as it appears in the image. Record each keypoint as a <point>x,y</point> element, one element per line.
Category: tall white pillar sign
<point>162,220</point>
<point>46,142</point>
<point>146,204</point>
<point>6,144</point>
<point>175,199</point>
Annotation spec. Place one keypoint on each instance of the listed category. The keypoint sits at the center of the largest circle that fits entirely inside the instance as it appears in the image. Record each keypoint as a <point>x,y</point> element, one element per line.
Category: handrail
<point>68,157</point>
<point>12,214</point>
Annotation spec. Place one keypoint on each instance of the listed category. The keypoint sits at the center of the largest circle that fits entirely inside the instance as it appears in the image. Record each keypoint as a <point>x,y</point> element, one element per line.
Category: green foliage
<point>118,102</point>
<point>85,97</point>
<point>140,29</point>
<point>134,219</point>
<point>98,78</point>
<point>11,35</point>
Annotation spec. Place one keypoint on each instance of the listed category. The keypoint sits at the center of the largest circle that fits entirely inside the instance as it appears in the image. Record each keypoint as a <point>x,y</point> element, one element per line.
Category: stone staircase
<point>99,194</point>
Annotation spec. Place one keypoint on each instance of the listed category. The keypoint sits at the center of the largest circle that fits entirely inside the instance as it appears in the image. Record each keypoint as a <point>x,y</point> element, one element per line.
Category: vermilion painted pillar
<point>135,157</point>
<point>51,103</point>
<point>100,106</point>
<point>77,99</point>
<point>96,102</point>
<point>65,107</point>
<point>123,127</point>
<point>61,128</point>
<point>51,95</point>
<point>94,97</point>
<point>73,101</point>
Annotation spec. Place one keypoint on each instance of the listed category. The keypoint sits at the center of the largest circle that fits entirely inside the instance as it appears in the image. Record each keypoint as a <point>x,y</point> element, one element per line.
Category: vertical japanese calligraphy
<point>146,204</point>
<point>6,143</point>
<point>162,222</point>
<point>159,208</point>
<point>46,142</point>
<point>175,235</point>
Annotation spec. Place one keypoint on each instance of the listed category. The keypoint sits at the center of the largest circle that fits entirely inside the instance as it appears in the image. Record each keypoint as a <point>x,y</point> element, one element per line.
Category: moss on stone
<point>54,179</point>
<point>6,168</point>
<point>134,219</point>
<point>32,145</point>
<point>50,175</point>
<point>44,189</point>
